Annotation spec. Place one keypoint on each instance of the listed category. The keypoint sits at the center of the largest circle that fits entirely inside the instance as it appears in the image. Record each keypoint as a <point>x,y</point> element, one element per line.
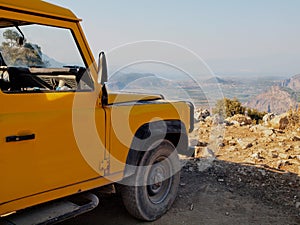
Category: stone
<point>222,145</point>
<point>279,122</point>
<point>267,118</point>
<point>246,142</point>
<point>295,138</point>
<point>257,128</point>
<point>192,207</point>
<point>232,143</point>
<point>268,132</point>
<point>239,119</point>
<point>273,154</point>
<point>297,205</point>
<point>232,149</point>
<point>283,156</point>
<point>255,156</point>
<point>263,172</point>
<point>202,144</point>
<point>201,115</point>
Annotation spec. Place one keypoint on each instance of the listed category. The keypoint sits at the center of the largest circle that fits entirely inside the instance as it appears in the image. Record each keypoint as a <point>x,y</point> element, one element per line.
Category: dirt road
<point>225,193</point>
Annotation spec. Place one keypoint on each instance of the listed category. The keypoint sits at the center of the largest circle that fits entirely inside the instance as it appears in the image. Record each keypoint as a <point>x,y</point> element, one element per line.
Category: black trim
<point>20,138</point>
<point>192,110</point>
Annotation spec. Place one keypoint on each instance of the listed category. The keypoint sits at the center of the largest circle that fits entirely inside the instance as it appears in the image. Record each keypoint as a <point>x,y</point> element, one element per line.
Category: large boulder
<point>201,115</point>
<point>240,119</point>
<point>267,118</point>
<point>279,122</point>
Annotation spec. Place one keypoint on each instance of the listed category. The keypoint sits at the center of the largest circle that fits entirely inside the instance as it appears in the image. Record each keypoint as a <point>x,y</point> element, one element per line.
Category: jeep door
<point>49,118</point>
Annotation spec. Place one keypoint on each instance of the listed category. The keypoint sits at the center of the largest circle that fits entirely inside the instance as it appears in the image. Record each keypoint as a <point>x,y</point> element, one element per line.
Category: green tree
<point>228,107</point>
<point>27,55</point>
<point>11,37</point>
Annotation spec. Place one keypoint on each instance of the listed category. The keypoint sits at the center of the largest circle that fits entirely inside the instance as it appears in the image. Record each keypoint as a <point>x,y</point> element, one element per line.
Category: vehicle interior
<point>24,69</point>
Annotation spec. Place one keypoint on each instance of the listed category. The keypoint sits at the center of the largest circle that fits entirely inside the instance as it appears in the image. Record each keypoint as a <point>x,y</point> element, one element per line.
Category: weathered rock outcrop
<point>292,83</point>
<point>275,100</point>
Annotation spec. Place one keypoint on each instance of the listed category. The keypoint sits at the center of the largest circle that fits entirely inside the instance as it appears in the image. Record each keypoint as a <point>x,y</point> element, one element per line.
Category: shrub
<point>228,107</point>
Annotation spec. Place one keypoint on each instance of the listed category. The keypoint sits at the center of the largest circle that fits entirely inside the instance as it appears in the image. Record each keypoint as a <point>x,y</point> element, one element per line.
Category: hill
<point>277,100</point>
<point>292,83</point>
<point>218,80</point>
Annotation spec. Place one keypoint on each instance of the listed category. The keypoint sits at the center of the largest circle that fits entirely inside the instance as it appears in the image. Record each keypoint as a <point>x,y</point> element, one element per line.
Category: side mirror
<point>102,69</point>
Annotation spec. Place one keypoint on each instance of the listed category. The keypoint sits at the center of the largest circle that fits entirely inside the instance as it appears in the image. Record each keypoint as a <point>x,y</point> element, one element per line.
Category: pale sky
<point>234,37</point>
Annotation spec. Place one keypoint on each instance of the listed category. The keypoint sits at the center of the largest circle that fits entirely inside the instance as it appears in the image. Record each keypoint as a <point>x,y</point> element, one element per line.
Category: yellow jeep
<point>63,134</point>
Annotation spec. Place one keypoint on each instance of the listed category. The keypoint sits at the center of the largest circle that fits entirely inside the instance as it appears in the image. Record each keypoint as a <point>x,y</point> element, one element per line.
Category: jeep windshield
<point>32,45</point>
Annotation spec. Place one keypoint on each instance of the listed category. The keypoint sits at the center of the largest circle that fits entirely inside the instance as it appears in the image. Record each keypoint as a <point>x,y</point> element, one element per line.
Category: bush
<point>255,115</point>
<point>229,107</point>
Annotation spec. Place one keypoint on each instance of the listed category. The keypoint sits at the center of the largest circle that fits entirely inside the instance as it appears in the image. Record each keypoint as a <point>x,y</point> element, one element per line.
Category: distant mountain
<point>51,62</point>
<point>218,80</point>
<point>121,80</point>
<point>277,100</point>
<point>292,83</point>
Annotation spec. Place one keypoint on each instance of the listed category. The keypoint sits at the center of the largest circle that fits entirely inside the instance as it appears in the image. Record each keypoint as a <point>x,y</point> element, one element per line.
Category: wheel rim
<point>159,180</point>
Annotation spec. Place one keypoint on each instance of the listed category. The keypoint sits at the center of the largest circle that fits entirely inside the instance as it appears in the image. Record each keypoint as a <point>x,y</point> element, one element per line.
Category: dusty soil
<point>253,178</point>
<point>225,193</point>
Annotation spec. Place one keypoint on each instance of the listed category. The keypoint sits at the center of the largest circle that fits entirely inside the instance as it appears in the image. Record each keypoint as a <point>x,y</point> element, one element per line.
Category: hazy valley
<point>269,94</point>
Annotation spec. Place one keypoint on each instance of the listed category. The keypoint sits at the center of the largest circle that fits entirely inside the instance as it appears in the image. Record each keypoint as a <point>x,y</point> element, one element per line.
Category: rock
<point>268,132</point>
<point>273,154</point>
<point>257,156</point>
<point>192,207</point>
<point>257,128</point>
<point>232,143</point>
<point>263,172</point>
<point>204,164</point>
<point>241,120</point>
<point>297,205</point>
<point>227,123</point>
<point>222,145</point>
<point>267,118</point>
<point>201,115</point>
<point>295,138</point>
<point>246,142</point>
<point>283,156</point>
<point>202,144</point>
<point>279,122</point>
<point>233,149</point>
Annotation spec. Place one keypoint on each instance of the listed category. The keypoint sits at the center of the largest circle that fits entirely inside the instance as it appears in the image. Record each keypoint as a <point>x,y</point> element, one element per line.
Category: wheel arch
<point>149,133</point>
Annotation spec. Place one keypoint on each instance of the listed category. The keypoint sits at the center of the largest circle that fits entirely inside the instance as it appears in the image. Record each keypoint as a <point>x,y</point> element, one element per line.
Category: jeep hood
<point>123,97</point>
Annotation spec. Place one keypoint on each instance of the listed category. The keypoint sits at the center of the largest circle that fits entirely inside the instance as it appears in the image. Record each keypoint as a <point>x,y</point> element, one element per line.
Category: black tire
<point>153,188</point>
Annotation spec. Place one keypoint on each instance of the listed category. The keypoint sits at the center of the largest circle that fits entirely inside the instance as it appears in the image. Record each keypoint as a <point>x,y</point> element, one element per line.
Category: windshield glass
<point>43,46</point>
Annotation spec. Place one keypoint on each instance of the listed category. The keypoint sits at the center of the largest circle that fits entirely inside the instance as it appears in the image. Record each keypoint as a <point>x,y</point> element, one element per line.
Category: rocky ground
<point>240,173</point>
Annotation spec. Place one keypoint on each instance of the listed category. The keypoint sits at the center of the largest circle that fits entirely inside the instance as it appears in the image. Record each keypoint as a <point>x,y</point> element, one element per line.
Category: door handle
<point>17,138</point>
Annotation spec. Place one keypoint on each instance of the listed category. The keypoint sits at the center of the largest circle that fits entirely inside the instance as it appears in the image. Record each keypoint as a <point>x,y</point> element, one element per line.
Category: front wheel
<point>154,186</point>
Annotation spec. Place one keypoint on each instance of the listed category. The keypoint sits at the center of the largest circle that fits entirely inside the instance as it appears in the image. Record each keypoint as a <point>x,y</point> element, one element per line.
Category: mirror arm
<point>102,69</point>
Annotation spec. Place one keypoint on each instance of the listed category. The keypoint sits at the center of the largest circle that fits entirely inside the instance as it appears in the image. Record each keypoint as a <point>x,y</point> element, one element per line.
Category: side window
<point>37,58</point>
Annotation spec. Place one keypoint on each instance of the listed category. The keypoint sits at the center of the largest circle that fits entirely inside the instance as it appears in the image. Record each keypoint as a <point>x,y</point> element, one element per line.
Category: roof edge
<point>38,7</point>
